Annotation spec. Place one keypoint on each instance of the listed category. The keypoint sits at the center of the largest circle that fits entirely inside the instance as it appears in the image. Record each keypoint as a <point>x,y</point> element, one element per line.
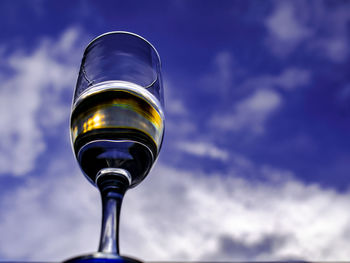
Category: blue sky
<point>256,155</point>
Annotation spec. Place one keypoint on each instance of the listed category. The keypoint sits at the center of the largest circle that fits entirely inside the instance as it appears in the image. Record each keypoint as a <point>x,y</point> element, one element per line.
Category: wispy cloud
<point>31,99</point>
<point>331,27</point>
<point>289,79</point>
<point>251,113</point>
<point>285,29</point>
<point>203,149</point>
<point>174,105</point>
<point>221,78</point>
<point>250,101</point>
<point>311,27</point>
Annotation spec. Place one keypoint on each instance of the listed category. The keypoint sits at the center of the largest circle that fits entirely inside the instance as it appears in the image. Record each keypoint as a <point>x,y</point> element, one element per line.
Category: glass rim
<point>127,33</point>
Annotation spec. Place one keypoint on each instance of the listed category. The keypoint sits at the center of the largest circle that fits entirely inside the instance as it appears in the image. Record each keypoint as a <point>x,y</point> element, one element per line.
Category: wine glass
<point>117,125</point>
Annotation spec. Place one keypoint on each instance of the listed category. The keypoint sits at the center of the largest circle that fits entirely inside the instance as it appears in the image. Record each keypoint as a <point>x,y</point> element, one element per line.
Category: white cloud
<point>201,211</point>
<point>175,106</point>
<point>173,103</point>
<point>31,97</point>
<point>333,42</point>
<point>309,27</point>
<point>250,113</point>
<point>335,48</point>
<point>284,25</point>
<point>50,217</point>
<point>285,28</point>
<point>289,79</point>
<point>180,129</point>
<point>179,215</point>
<point>292,78</point>
<point>220,80</point>
<point>203,149</point>
<point>262,98</point>
<point>224,63</point>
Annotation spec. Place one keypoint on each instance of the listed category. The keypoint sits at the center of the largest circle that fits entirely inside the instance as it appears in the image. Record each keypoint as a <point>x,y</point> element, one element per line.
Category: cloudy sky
<point>256,156</point>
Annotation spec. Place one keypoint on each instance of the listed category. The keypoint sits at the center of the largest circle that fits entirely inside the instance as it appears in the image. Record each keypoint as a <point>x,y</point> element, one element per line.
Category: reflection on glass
<point>117,125</point>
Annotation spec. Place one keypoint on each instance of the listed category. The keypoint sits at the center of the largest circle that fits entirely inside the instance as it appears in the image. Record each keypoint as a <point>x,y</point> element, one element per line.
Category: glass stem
<point>112,186</point>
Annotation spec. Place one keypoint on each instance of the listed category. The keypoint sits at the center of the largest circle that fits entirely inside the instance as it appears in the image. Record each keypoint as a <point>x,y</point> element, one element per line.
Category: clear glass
<point>117,125</point>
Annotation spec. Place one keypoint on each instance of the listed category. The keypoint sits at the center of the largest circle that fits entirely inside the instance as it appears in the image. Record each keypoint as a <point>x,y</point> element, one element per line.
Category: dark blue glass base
<point>102,258</point>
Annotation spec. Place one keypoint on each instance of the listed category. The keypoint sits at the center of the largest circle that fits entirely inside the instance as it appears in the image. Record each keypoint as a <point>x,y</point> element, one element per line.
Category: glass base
<point>101,258</point>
